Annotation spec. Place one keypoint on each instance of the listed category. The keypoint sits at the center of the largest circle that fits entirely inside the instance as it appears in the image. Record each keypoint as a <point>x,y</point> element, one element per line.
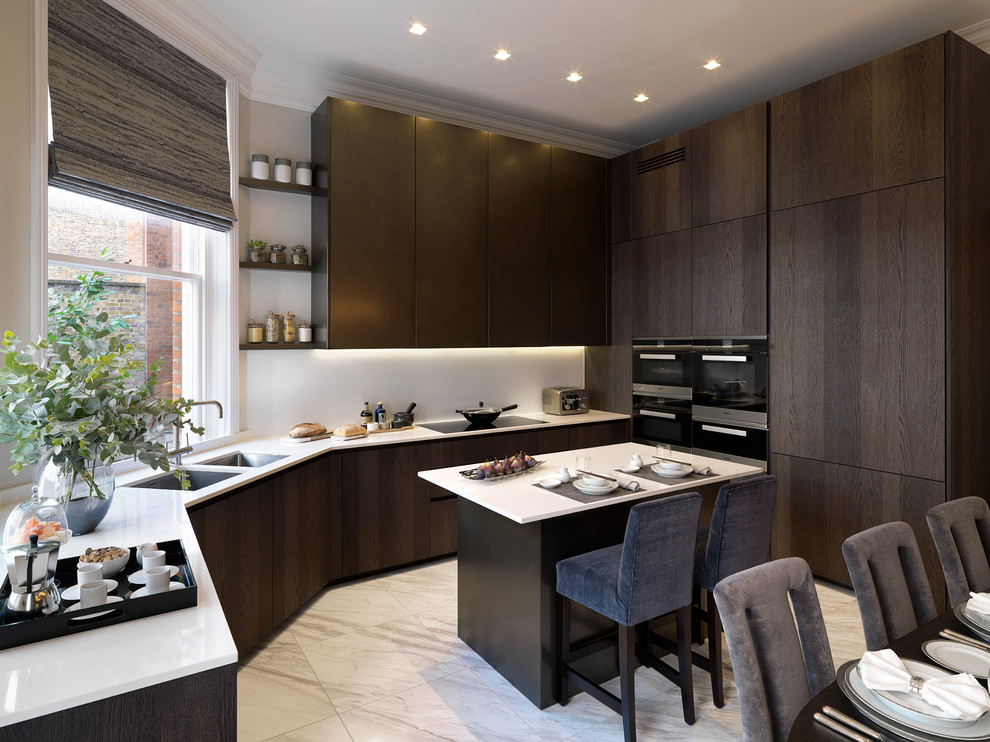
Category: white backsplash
<point>283,388</point>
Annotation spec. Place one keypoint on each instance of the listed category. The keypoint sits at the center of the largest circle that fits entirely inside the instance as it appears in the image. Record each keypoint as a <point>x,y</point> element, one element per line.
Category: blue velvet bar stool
<point>737,539</point>
<point>646,576</point>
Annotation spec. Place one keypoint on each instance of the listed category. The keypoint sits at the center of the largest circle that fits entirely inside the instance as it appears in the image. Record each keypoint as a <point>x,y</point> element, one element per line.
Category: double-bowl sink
<point>199,478</point>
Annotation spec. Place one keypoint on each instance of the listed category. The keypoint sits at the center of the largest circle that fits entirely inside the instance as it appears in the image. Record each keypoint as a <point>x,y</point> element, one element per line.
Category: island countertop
<point>517,499</point>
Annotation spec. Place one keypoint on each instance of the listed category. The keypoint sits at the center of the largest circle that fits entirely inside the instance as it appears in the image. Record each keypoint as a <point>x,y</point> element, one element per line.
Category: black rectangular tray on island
<point>16,631</point>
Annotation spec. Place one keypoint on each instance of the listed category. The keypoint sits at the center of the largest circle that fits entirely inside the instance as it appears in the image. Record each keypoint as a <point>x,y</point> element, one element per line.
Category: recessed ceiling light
<point>573,77</point>
<point>502,54</point>
<point>640,98</point>
<point>712,64</point>
<point>418,28</point>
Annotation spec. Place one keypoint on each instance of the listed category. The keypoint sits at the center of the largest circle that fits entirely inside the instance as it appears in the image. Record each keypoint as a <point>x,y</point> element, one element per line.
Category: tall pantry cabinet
<point>879,225</point>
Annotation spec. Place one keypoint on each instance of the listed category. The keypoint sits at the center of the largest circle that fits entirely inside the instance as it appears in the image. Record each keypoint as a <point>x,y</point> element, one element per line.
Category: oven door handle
<point>732,359</point>
<point>727,431</point>
<point>658,356</point>
<point>651,413</point>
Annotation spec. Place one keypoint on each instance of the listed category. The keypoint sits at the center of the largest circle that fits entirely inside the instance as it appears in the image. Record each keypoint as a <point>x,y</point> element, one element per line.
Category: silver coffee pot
<point>31,570</point>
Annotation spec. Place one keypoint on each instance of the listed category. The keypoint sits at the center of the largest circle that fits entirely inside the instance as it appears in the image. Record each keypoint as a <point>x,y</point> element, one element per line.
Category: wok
<point>482,415</point>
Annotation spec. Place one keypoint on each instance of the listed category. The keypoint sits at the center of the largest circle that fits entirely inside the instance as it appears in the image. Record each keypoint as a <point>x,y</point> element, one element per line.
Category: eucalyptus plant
<point>80,395</point>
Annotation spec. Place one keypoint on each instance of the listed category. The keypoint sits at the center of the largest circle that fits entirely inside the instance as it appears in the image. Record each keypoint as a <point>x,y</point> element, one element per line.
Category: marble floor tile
<point>422,589</point>
<point>442,622</point>
<point>456,707</point>
<point>344,609</point>
<point>365,666</point>
<point>327,730</point>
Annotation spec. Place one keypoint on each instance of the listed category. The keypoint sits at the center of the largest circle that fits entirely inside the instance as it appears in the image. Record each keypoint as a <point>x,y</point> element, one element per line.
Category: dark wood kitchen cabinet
<point>364,237</point>
<point>306,533</point>
<point>651,287</point>
<point>857,361</point>
<point>878,125</point>
<point>729,278</point>
<point>729,167</point>
<point>235,535</point>
<point>451,236</point>
<point>578,255</point>
<point>651,189</point>
<point>519,263</point>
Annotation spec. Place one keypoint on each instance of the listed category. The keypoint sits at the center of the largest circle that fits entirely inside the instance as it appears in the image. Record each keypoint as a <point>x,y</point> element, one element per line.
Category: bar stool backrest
<point>961,530</point>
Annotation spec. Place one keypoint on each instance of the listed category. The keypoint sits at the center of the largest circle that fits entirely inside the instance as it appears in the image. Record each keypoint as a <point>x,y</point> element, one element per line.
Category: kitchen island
<point>511,534</point>
<point>170,676</point>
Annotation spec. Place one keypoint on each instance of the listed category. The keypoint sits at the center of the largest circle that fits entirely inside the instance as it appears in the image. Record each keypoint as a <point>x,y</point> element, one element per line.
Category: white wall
<point>281,388</point>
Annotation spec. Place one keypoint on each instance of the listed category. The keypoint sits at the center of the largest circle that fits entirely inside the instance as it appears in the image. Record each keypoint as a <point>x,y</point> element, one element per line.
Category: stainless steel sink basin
<point>241,458</point>
<point>197,480</point>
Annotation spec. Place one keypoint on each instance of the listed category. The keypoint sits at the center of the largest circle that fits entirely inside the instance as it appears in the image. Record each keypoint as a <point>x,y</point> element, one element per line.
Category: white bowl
<point>548,482</point>
<point>672,466</point>
<point>113,566</point>
<point>630,468</point>
<point>590,481</point>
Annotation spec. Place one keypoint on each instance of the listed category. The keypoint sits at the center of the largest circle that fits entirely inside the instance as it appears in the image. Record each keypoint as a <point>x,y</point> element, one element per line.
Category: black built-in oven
<point>740,442</point>
<point>661,418</point>
<point>664,363</point>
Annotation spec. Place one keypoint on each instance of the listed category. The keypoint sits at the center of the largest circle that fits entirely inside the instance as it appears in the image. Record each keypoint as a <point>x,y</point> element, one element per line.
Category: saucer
<point>629,468</point>
<point>110,599</point>
<point>143,592</point>
<point>138,578</point>
<point>72,593</point>
<point>670,472</point>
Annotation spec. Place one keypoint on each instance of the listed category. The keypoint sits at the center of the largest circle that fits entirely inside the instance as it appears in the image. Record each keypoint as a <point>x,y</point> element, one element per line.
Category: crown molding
<point>189,28</point>
<point>977,34</point>
<point>305,91</point>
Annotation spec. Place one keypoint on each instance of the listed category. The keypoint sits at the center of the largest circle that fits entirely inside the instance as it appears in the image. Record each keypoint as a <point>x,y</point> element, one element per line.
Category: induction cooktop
<point>463,426</point>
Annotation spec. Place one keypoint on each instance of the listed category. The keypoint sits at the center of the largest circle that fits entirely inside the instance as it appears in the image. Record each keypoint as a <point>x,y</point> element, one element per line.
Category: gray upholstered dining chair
<point>646,576</point>
<point>780,661</point>
<point>889,579</point>
<point>737,539</point>
<point>961,530</point>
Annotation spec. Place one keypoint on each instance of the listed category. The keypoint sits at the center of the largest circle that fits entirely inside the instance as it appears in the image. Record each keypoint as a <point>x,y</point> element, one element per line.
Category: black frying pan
<point>482,415</point>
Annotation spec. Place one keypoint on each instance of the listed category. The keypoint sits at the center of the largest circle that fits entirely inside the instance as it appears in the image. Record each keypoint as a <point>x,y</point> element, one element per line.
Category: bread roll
<point>350,429</point>
<point>306,430</point>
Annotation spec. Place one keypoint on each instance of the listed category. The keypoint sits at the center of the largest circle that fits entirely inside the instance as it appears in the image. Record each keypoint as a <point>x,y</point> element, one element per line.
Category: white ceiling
<point>307,49</point>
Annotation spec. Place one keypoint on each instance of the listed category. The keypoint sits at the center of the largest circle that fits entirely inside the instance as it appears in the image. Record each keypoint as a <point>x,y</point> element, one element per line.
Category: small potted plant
<point>299,256</point>
<point>71,404</point>
<point>259,251</point>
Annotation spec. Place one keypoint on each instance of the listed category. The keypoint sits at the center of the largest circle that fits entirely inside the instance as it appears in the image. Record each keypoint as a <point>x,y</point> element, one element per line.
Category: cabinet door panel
<point>651,287</point>
<point>371,228</point>
<point>729,278</point>
<point>518,242</point>
<point>875,126</point>
<point>819,505</point>
<point>729,167</point>
<point>451,236</point>
<point>651,189</point>
<point>857,363</point>
<point>578,249</point>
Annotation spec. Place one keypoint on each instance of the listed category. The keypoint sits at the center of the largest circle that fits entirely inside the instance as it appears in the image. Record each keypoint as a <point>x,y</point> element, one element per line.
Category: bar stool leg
<point>627,680</point>
<point>696,613</point>
<point>715,652</point>
<point>563,648</point>
<point>684,663</point>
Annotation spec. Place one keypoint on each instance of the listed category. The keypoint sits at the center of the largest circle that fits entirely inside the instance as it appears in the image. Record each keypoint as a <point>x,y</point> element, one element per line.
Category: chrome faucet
<point>178,448</point>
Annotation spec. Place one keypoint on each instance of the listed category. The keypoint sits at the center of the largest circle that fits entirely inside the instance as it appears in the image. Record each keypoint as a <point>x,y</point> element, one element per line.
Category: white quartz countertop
<point>517,499</point>
<point>49,676</point>
<point>297,453</point>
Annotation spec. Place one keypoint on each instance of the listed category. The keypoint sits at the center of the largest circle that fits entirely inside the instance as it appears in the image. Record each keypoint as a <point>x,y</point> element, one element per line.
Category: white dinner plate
<point>72,593</point>
<point>958,656</point>
<point>670,473</point>
<point>142,592</point>
<point>78,607</point>
<point>595,490</point>
<point>139,578</point>
<point>975,622</point>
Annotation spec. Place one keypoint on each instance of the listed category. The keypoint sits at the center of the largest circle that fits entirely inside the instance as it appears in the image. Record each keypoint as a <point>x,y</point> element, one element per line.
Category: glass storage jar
<point>277,254</point>
<point>305,332</point>
<point>288,327</point>
<point>299,255</point>
<point>255,332</point>
<point>258,254</point>
<point>273,327</point>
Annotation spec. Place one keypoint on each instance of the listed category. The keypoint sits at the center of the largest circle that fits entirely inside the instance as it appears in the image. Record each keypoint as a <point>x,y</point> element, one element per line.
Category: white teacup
<point>92,593</point>
<point>88,572</point>
<point>157,579</point>
<point>142,550</point>
<point>153,558</point>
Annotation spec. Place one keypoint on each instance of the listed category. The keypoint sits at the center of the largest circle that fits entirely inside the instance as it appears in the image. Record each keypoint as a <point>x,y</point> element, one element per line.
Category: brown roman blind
<point>134,120</point>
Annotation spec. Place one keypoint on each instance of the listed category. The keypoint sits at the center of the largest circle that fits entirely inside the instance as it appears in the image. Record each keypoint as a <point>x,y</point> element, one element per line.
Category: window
<point>172,280</point>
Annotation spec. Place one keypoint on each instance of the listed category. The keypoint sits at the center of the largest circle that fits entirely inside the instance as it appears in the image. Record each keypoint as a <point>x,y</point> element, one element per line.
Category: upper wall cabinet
<point>651,287</point>
<point>729,167</point>
<point>518,242</point>
<point>651,190</point>
<point>878,125</point>
<point>578,218</point>
<point>369,217</point>
<point>451,236</point>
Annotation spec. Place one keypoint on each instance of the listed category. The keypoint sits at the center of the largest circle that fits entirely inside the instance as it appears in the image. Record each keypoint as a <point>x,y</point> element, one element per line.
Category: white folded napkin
<point>627,484</point>
<point>960,695</point>
<point>979,602</point>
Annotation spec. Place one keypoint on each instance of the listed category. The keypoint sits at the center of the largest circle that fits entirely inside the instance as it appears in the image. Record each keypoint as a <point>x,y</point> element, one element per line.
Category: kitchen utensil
<point>562,474</point>
<point>31,570</point>
<point>548,482</point>
<point>593,475</point>
<point>404,419</point>
<point>840,729</point>
<point>482,415</point>
<point>851,722</point>
<point>956,636</point>
<point>672,461</point>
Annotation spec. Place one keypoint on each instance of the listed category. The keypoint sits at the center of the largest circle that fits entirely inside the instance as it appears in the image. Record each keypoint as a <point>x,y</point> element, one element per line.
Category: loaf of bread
<point>346,430</point>
<point>306,430</point>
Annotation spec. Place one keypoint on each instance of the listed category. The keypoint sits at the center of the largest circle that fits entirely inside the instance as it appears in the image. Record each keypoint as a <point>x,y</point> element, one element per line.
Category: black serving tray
<point>16,630</point>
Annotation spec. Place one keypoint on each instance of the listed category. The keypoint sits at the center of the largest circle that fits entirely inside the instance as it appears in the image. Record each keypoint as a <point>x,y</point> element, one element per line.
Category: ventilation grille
<point>655,163</point>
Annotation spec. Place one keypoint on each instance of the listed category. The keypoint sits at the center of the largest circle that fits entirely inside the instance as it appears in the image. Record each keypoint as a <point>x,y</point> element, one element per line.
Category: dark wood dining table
<point>806,729</point>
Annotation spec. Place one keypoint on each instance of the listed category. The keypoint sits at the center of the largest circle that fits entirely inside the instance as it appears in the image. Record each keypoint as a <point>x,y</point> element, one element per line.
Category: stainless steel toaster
<point>565,400</point>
